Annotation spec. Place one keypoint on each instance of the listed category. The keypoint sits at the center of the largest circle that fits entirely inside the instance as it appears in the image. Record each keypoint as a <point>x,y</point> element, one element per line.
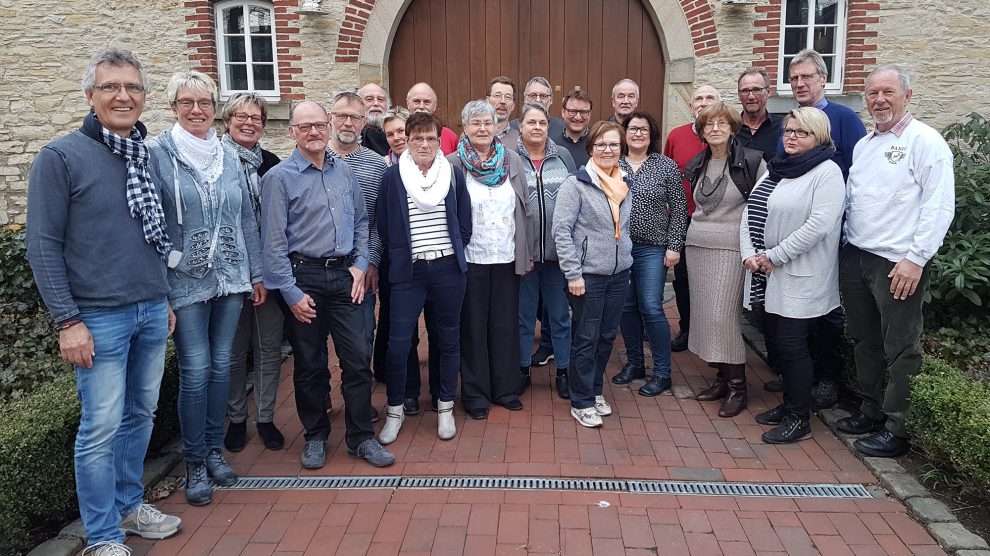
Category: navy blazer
<point>393,222</point>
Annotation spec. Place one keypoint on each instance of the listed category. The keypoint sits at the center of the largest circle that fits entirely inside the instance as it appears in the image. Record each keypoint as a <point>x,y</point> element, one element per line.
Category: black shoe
<point>236,437</point>
<point>271,436</point>
<point>563,387</point>
<point>410,406</point>
<point>527,379</point>
<point>859,424</point>
<point>628,374</point>
<point>655,386</point>
<point>791,429</point>
<point>512,405</point>
<point>541,357</point>
<point>478,413</point>
<point>775,385</point>
<point>680,342</point>
<point>375,415</point>
<point>434,405</point>
<point>825,394</point>
<point>772,417</point>
<point>883,444</point>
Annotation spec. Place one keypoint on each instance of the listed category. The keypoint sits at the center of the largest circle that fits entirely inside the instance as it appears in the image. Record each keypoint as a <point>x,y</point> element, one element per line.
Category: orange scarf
<point>615,189</point>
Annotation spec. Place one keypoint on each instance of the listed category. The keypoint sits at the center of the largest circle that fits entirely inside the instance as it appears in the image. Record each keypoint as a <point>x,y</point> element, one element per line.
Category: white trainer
<point>446,429</point>
<point>602,407</point>
<point>106,548</point>
<point>395,415</point>
<point>588,417</point>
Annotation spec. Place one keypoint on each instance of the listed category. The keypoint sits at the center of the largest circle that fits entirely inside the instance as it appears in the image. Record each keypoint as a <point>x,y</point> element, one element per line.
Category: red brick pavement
<point>667,437</point>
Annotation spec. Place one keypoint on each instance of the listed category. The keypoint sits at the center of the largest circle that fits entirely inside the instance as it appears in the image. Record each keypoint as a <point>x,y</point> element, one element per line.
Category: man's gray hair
<point>295,105</point>
<point>753,70</point>
<point>238,101</point>
<point>902,75</point>
<point>116,57</point>
<point>540,81</point>
<point>349,97</point>
<point>809,55</point>
<point>624,82</point>
<point>534,106</point>
<point>476,109</point>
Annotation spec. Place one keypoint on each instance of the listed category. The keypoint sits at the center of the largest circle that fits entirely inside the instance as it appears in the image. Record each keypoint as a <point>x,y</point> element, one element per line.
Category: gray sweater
<point>85,248</point>
<point>584,232</point>
<point>802,239</point>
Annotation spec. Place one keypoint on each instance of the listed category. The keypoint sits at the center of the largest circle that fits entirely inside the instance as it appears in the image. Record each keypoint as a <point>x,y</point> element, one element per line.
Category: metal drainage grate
<point>680,488</point>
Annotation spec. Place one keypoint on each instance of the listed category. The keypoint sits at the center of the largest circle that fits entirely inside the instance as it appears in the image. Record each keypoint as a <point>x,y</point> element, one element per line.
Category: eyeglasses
<point>347,117</point>
<point>721,124</point>
<point>114,88</point>
<point>242,117</point>
<point>306,128</point>
<point>502,96</point>
<point>423,140</point>
<point>576,113</point>
<point>479,125</point>
<point>638,130</point>
<point>538,96</point>
<point>187,103</point>
<point>602,147</point>
<point>802,77</point>
<point>754,91</point>
<point>799,133</point>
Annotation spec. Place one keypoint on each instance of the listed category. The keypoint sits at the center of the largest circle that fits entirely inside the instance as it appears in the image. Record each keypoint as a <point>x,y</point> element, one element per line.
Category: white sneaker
<point>106,548</point>
<point>588,417</point>
<point>394,417</point>
<point>446,429</point>
<point>602,407</point>
<point>149,523</point>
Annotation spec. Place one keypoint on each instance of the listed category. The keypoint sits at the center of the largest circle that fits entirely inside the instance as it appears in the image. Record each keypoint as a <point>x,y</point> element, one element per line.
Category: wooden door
<point>457,46</point>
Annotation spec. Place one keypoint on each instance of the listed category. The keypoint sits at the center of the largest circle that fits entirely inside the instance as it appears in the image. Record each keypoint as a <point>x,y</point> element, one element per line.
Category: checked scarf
<point>142,198</point>
<point>490,172</point>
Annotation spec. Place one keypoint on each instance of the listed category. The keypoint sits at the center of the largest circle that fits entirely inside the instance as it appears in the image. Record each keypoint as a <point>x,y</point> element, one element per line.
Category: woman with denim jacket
<point>215,261</point>
<point>546,167</point>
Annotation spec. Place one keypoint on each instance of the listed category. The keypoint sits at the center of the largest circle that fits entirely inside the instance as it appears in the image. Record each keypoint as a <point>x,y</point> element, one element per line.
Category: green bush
<point>949,418</point>
<point>37,483</point>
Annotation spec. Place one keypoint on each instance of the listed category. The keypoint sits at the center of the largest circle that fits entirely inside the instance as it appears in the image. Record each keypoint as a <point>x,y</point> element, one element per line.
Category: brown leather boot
<point>736,402</point>
<point>718,390</point>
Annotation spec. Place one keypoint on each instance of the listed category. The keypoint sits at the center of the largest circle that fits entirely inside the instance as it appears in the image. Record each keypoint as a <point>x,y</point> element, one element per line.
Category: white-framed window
<point>816,24</point>
<point>246,47</point>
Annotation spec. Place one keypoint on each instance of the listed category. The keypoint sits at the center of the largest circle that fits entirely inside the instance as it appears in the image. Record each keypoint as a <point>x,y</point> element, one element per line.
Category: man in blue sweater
<point>97,246</point>
<point>808,75</point>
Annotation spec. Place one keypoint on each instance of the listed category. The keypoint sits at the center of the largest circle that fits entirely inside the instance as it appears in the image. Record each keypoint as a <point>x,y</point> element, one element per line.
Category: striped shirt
<point>368,166</point>
<point>756,208</point>
<point>428,230</point>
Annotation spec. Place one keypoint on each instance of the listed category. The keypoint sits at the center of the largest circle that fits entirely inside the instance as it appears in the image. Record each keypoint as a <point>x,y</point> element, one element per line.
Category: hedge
<point>949,419</point>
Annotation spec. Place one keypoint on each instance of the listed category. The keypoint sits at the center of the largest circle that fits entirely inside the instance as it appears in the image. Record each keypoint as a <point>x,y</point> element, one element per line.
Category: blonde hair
<point>195,81</point>
<point>813,120</point>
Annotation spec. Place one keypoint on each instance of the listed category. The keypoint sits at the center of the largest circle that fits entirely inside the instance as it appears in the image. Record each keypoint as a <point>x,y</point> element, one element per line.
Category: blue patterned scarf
<point>490,172</point>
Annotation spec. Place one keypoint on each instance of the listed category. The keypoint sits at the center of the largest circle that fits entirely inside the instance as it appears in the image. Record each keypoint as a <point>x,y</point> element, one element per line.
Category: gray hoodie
<point>584,232</point>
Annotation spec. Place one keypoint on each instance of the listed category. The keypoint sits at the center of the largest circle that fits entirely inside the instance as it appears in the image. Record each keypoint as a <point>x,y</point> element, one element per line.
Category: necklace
<point>717,183</point>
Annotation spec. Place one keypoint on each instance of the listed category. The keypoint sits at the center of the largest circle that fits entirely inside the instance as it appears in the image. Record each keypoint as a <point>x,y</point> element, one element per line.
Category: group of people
<point>559,220</point>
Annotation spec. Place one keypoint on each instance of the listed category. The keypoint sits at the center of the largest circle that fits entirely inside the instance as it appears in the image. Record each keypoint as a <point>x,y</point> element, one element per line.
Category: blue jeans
<point>119,396</point>
<point>545,278</point>
<point>595,317</point>
<point>644,305</point>
<point>204,338</point>
<point>441,283</point>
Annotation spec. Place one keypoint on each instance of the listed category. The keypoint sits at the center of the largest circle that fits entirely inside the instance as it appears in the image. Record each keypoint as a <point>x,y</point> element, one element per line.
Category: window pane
<point>826,11</point>
<point>261,49</point>
<point>787,69</point>
<point>261,20</point>
<point>797,12</point>
<point>830,65</point>
<point>235,49</point>
<point>795,40</point>
<point>237,77</point>
<point>233,20</point>
<point>264,77</point>
<point>824,41</point>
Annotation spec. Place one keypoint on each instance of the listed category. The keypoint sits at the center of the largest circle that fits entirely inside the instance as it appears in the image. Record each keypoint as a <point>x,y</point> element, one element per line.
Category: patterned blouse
<point>659,207</point>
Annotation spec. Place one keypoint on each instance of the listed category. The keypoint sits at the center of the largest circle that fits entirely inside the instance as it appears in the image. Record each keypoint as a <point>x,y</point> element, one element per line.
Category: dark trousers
<point>595,320</point>
<point>682,295</point>
<point>441,283</point>
<point>826,344</point>
<point>490,336</point>
<point>345,322</point>
<point>414,382</point>
<point>793,360</point>
<point>886,334</point>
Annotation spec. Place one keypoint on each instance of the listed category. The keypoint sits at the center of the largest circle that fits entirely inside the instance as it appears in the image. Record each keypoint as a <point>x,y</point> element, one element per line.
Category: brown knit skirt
<point>715,278</point>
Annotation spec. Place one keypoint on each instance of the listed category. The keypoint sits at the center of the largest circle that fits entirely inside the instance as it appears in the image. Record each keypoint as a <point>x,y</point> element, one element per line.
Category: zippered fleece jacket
<point>584,232</point>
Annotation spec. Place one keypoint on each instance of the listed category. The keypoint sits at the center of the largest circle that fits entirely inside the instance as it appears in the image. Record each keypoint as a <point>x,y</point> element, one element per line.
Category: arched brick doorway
<point>458,45</point>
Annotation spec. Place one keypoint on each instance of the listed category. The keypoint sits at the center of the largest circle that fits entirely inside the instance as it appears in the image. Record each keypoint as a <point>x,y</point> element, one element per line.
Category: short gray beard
<point>884,118</point>
<point>342,141</point>
<point>375,120</point>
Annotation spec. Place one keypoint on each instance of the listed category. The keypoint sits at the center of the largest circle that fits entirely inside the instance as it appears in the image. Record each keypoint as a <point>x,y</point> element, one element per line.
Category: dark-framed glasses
<point>242,117</point>
<point>187,103</point>
<point>799,133</point>
<point>114,88</point>
<point>602,147</point>
<point>306,128</point>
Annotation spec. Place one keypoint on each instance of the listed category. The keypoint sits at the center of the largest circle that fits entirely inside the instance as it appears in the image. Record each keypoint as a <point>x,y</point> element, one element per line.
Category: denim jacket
<point>221,219</point>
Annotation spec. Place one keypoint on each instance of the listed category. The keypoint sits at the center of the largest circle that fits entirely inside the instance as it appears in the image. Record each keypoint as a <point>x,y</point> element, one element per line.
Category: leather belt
<point>433,255</point>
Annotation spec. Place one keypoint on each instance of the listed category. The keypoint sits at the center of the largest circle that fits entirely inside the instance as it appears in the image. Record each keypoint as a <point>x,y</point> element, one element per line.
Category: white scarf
<point>426,191</point>
<point>204,155</point>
